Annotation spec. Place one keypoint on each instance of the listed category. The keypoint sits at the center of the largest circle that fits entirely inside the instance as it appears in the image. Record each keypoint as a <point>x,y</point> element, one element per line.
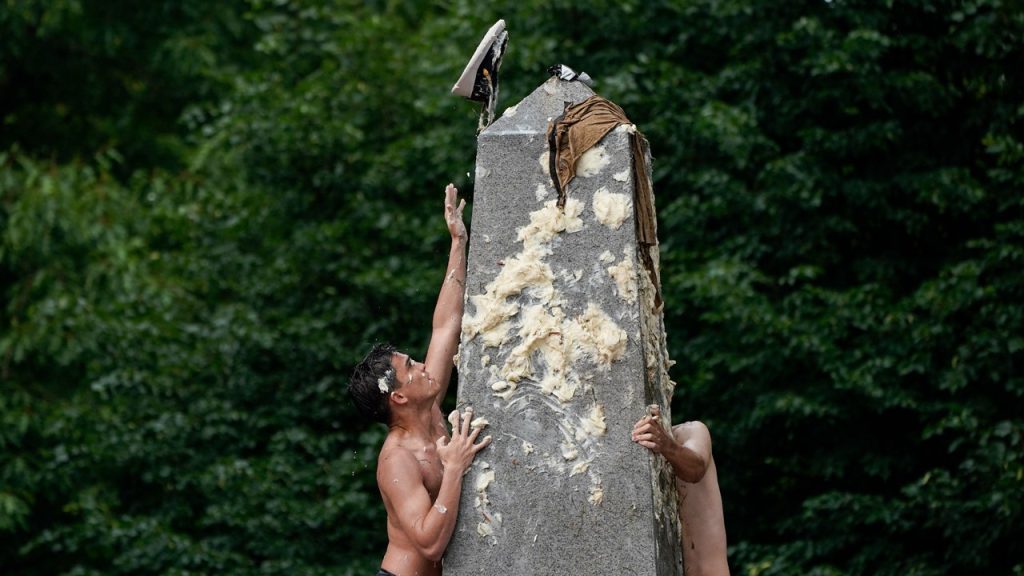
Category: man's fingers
<point>483,443</point>
<point>643,427</point>
<point>441,442</point>
<point>466,419</point>
<point>453,419</point>
<point>449,198</point>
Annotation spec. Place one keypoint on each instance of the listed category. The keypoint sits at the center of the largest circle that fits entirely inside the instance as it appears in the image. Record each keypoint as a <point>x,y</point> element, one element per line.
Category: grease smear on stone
<point>522,316</point>
<point>624,275</point>
<point>541,192</point>
<point>612,208</point>
<point>592,162</point>
<point>490,520</point>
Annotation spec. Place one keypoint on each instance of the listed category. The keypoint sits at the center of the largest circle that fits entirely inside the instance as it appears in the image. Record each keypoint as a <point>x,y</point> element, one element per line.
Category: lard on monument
<point>563,348</point>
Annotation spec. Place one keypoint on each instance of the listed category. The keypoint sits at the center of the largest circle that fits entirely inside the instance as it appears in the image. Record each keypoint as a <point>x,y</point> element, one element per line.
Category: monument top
<point>532,114</point>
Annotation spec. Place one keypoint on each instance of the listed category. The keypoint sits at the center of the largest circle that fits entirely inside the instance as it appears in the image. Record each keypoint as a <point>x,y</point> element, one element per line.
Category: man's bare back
<point>688,450</point>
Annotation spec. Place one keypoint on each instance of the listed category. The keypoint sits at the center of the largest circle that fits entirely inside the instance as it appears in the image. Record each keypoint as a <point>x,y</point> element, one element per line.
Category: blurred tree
<point>77,76</point>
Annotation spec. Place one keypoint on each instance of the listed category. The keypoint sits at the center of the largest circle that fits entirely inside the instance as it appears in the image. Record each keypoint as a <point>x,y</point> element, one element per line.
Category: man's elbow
<point>447,328</point>
<point>430,548</point>
<point>433,552</point>
<point>691,476</point>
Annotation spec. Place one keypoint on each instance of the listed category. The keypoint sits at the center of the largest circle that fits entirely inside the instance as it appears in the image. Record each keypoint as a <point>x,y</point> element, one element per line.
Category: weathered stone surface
<point>563,348</point>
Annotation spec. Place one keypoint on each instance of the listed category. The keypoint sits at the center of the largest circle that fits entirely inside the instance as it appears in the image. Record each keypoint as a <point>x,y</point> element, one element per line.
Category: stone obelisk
<point>563,348</point>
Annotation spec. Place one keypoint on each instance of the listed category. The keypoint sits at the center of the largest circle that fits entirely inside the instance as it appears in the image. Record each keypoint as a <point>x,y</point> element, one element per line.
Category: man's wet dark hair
<point>369,376</point>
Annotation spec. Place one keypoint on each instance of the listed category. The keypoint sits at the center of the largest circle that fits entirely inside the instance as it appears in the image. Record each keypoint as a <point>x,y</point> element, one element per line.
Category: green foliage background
<point>209,210</point>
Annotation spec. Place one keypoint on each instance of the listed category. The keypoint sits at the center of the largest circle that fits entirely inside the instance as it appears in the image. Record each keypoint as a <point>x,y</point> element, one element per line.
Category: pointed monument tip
<point>563,72</point>
<point>532,114</point>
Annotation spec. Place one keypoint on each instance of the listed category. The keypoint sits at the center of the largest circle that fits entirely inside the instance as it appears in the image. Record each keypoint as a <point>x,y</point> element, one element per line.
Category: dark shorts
<point>383,572</point>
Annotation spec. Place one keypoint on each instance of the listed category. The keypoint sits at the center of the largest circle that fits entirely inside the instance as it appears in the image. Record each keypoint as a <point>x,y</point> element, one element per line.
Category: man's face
<point>411,377</point>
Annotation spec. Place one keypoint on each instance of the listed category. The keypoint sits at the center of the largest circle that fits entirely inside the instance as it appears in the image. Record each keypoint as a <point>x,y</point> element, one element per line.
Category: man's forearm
<point>448,311</point>
<point>439,524</point>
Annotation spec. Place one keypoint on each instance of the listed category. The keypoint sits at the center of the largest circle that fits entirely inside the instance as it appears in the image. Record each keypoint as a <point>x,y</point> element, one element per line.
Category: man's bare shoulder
<point>690,429</point>
<point>394,458</point>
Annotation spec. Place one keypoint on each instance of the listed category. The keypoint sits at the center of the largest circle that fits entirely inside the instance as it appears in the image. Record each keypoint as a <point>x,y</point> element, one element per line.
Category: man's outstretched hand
<point>453,215</point>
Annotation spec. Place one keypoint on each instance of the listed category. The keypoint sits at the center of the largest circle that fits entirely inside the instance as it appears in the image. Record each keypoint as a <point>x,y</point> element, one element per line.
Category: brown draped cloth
<point>578,129</point>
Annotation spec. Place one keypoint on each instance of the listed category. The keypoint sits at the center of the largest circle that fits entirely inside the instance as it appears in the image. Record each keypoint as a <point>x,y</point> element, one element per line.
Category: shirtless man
<point>688,450</point>
<point>420,468</point>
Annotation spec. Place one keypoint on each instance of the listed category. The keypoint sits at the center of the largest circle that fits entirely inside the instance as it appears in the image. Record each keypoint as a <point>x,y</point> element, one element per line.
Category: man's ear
<point>398,398</point>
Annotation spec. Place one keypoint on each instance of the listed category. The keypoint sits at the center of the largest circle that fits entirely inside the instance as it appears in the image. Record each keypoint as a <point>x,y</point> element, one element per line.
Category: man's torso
<point>401,557</point>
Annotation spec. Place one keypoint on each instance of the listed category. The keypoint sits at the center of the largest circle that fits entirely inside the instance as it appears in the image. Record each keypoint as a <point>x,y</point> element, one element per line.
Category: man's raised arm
<point>447,324</point>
